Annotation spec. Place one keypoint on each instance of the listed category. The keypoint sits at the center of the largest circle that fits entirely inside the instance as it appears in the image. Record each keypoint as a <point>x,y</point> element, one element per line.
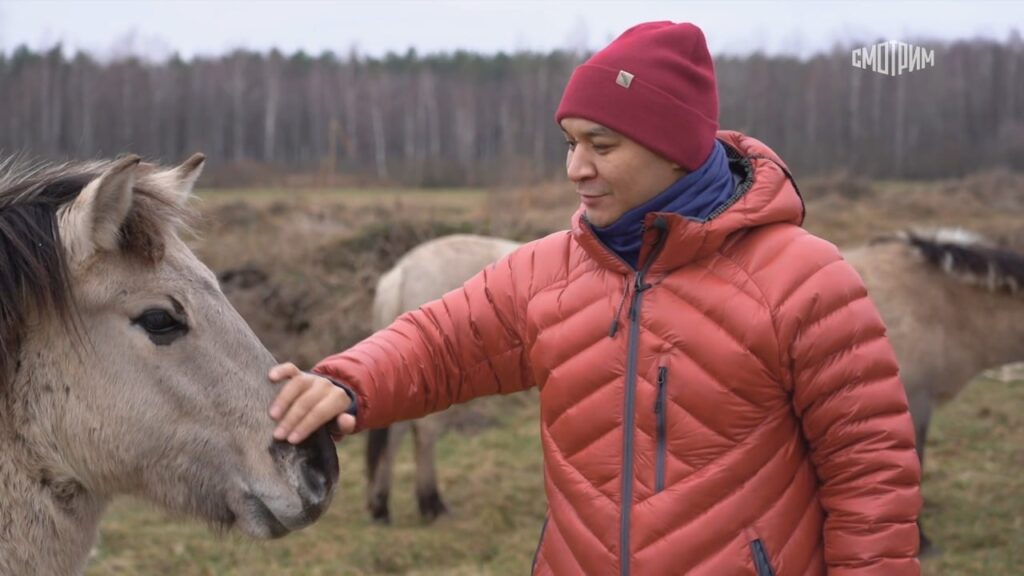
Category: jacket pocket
<point>660,415</point>
<point>540,541</point>
<point>762,563</point>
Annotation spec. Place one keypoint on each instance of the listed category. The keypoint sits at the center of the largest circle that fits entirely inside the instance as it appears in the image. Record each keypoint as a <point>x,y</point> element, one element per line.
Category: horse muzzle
<point>310,474</point>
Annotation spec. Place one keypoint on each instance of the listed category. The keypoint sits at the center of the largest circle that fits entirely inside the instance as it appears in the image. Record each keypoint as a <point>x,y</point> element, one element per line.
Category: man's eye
<point>160,325</point>
<point>570,144</point>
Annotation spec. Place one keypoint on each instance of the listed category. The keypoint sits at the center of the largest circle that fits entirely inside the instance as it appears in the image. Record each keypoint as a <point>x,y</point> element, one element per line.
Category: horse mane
<point>968,257</point>
<point>34,276</point>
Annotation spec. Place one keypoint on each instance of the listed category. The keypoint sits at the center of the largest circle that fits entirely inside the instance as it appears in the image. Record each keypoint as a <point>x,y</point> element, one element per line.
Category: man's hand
<point>305,403</point>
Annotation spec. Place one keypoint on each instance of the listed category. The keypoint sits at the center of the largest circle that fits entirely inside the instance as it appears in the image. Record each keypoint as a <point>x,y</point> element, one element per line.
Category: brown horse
<point>953,308</point>
<point>124,370</point>
<point>951,302</point>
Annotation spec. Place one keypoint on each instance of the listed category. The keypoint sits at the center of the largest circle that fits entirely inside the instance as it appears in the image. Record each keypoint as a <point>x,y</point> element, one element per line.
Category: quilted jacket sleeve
<point>467,344</point>
<point>853,411</point>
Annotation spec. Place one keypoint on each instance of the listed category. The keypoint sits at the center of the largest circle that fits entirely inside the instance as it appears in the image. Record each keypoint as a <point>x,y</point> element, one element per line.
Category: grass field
<point>491,477</point>
<point>974,481</point>
<point>974,493</point>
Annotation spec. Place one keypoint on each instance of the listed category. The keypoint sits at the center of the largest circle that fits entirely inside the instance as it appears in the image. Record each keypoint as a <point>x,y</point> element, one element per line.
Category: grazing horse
<point>950,300</point>
<point>124,370</point>
<point>953,307</point>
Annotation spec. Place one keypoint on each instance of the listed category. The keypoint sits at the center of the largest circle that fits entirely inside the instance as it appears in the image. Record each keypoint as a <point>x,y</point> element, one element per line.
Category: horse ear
<point>93,221</point>
<point>186,174</point>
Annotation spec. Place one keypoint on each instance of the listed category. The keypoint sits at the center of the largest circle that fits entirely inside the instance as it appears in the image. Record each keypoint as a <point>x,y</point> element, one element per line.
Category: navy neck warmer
<point>695,196</point>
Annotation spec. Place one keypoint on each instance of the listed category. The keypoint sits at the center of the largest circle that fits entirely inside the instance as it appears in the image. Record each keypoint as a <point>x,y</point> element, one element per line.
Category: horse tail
<point>376,446</point>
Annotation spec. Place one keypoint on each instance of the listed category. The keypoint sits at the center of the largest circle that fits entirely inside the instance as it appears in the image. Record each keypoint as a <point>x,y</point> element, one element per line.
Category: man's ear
<point>92,223</point>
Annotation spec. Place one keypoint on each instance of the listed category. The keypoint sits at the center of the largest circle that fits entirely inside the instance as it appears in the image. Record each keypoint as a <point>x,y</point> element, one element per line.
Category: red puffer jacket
<point>731,408</point>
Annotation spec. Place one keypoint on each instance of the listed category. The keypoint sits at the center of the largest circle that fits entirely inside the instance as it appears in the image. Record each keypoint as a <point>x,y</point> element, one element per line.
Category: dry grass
<point>848,211</point>
<point>492,480</point>
<point>301,267</point>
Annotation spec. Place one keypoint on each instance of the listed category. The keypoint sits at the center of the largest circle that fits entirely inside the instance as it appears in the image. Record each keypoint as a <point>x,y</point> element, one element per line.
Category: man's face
<point>612,173</point>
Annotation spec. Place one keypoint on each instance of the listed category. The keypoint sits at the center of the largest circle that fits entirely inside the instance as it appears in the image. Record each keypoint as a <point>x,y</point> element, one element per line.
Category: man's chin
<point>599,218</point>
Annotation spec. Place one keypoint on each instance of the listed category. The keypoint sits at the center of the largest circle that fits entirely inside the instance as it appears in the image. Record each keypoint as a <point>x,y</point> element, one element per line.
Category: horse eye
<point>160,325</point>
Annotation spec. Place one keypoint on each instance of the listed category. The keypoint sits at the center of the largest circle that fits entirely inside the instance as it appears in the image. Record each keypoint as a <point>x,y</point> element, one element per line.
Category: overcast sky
<point>193,27</point>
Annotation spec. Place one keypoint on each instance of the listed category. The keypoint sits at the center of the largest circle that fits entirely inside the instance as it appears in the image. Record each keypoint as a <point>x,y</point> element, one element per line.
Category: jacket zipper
<point>744,185</point>
<point>762,563</point>
<point>639,287</point>
<point>659,413</point>
<point>540,541</point>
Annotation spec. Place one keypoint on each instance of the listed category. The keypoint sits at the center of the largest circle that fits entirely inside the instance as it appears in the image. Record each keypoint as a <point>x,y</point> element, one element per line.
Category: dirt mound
<point>378,246</point>
<point>301,268</point>
<point>303,275</point>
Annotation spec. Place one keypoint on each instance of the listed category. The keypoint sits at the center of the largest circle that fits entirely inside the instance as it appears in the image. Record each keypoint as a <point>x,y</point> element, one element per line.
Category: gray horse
<point>951,302</point>
<point>124,370</point>
<point>423,274</point>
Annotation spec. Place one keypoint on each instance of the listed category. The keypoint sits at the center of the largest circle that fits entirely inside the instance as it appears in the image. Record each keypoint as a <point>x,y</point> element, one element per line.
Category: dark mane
<point>34,276</point>
<point>970,259</point>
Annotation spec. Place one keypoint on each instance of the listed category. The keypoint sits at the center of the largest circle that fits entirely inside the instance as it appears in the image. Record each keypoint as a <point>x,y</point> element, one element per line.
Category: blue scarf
<point>695,196</point>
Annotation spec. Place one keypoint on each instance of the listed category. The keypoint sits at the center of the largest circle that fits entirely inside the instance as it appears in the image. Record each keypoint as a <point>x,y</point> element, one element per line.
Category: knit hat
<point>654,84</point>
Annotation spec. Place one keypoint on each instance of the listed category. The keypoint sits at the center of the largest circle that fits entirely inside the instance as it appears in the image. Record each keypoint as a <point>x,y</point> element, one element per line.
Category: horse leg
<point>381,447</point>
<point>426,432</point>
<point>921,411</point>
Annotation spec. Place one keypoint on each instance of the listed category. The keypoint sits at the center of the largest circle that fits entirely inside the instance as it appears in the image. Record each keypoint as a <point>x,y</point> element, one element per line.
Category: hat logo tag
<point>624,79</point>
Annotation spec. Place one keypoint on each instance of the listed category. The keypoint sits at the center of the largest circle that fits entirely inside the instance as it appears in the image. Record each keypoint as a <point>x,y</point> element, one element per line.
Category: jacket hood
<point>766,195</point>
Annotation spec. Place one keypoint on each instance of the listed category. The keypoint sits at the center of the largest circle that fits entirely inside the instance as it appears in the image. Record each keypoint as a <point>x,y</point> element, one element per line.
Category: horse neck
<point>48,523</point>
<point>1005,338</point>
<point>46,526</point>
<point>973,328</point>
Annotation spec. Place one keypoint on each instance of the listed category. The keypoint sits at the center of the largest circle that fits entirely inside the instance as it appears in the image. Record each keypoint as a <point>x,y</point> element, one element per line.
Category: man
<point>717,393</point>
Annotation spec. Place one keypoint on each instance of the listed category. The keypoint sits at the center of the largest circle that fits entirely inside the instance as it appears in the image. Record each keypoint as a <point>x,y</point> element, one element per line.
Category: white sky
<point>190,27</point>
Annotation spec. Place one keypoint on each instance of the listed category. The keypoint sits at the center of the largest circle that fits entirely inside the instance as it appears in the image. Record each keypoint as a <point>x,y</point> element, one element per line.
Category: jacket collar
<point>767,195</point>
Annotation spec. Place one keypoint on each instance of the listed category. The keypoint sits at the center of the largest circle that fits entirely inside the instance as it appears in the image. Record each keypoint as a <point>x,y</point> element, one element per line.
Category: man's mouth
<point>591,199</point>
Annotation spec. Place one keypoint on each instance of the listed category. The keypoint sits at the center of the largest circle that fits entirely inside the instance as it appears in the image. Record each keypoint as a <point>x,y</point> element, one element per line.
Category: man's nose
<point>578,165</point>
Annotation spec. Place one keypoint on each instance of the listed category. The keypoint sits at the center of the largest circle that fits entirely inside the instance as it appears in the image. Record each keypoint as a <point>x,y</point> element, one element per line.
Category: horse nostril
<point>313,465</point>
<point>316,482</point>
<point>320,466</point>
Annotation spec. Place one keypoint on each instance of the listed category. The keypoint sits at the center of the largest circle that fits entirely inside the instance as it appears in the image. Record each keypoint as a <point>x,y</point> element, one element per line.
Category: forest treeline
<point>470,119</point>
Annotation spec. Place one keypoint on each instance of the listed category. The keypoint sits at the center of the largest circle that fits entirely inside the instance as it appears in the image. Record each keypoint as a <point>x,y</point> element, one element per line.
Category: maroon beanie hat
<point>656,85</point>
